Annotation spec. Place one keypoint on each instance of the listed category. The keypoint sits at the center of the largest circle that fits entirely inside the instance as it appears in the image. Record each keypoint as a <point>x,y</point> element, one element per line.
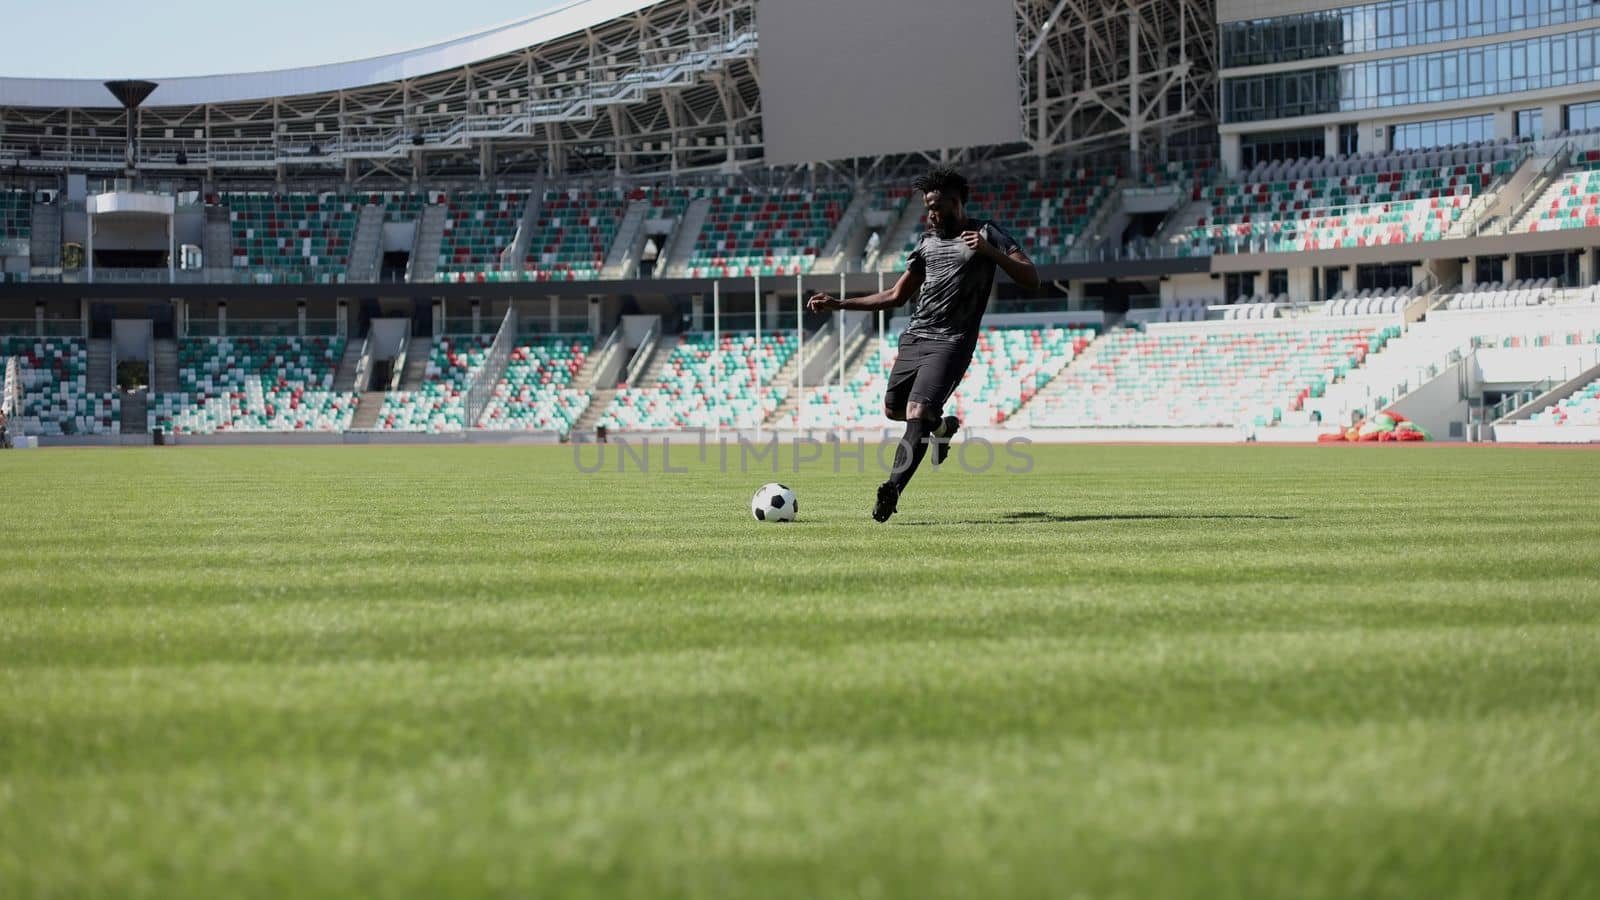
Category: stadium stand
<point>292,238</point>
<point>1207,376</point>
<point>767,233</point>
<point>1521,293</point>
<point>1010,365</point>
<point>1046,217</point>
<point>708,382</point>
<point>254,384</point>
<point>1318,205</point>
<point>439,406</point>
<point>1582,408</point>
<point>478,227</point>
<point>399,207</point>
<point>56,399</point>
<point>1574,201</point>
<point>534,394</point>
<point>574,233</point>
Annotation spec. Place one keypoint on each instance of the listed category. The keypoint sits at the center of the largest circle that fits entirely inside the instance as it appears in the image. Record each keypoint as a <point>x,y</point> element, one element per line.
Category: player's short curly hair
<point>945,180</point>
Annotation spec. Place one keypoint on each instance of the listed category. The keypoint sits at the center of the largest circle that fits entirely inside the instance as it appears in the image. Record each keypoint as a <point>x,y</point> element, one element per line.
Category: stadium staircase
<point>1575,401</point>
<point>418,351</point>
<point>427,244</point>
<point>1051,395</point>
<point>217,240</point>
<point>902,234</point>
<point>599,401</point>
<point>514,258</point>
<point>686,237</point>
<point>366,251</point>
<point>135,412</point>
<point>857,347</point>
<point>44,246</point>
<point>623,260</point>
<point>848,237</point>
<point>368,409</point>
<point>344,379</point>
<point>102,379</point>
<point>166,374</point>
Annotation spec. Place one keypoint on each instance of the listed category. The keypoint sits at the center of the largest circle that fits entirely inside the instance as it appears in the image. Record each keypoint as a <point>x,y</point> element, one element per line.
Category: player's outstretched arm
<point>910,282</point>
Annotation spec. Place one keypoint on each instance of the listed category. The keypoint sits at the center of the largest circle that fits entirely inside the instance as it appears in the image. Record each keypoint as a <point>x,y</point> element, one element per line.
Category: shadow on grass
<point>1045,518</point>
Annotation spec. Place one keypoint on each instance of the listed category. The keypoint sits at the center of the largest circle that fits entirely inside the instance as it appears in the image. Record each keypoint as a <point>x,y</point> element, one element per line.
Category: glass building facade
<point>1391,25</point>
<point>1462,74</point>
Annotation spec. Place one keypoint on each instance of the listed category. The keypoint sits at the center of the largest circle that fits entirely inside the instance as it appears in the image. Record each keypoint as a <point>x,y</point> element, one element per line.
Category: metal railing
<point>1559,159</point>
<point>641,357</point>
<point>12,397</point>
<point>483,382</point>
<point>397,373</point>
<point>363,366</point>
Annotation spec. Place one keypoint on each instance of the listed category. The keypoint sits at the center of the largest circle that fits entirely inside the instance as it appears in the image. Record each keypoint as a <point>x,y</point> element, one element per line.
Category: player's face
<point>945,212</point>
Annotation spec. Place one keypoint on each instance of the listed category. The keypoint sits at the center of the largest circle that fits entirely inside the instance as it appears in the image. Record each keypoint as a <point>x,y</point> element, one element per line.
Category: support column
<point>222,318</point>
<point>555,314</point>
<point>697,313</point>
<point>172,249</point>
<point>477,317</point>
<point>300,315</point>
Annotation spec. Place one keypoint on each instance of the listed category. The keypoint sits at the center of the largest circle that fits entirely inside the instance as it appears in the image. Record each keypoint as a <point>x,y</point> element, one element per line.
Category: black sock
<point>913,447</point>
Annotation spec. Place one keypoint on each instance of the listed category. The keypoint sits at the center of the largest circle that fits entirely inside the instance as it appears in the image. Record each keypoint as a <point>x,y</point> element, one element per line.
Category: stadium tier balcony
<point>56,399</point>
<point>574,234</point>
<point>440,405</point>
<point>1516,295</point>
<point>770,234</point>
<point>478,227</point>
<point>254,384</point>
<point>16,216</point>
<point>708,383</point>
<point>1582,408</point>
<point>535,393</point>
<point>1574,202</point>
<point>1008,368</point>
<point>293,237</point>
<point>1204,377</point>
<point>1306,205</point>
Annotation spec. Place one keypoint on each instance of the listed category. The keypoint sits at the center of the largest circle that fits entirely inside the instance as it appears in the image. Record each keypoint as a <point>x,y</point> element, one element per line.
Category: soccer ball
<point>774,503</point>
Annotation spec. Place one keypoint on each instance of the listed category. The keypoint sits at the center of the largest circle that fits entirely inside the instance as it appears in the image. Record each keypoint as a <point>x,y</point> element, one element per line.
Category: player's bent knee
<point>895,413</point>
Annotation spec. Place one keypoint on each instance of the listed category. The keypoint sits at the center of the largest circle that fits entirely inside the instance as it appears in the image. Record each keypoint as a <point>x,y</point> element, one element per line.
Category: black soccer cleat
<point>888,499</point>
<point>941,447</point>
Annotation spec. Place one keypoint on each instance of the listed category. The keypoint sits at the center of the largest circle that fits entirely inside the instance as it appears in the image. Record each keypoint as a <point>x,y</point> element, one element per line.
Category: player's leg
<point>896,406</point>
<point>945,432</point>
<point>925,409</point>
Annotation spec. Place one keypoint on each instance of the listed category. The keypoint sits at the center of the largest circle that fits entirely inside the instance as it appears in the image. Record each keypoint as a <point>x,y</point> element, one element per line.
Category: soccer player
<point>951,273</point>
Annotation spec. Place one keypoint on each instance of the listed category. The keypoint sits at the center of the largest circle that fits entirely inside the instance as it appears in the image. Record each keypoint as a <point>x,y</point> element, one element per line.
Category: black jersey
<point>956,283</point>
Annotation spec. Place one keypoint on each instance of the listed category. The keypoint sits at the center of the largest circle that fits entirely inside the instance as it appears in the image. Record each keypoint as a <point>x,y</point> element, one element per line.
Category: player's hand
<point>820,302</point>
<point>975,242</point>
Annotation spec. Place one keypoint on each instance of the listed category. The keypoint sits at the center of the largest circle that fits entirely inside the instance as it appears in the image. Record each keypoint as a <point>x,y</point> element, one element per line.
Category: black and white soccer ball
<point>774,503</point>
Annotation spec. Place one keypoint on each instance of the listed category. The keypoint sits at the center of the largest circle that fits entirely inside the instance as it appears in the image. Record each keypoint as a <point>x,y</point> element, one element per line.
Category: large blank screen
<point>848,78</point>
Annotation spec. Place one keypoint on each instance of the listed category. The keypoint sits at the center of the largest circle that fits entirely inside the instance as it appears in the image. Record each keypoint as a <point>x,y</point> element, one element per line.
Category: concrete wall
<point>1438,403</point>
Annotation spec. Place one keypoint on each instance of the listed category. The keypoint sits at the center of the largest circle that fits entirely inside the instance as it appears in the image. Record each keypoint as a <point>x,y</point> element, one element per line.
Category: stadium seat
<point>534,394</point>
<point>56,400</point>
<point>254,384</point>
<point>293,238</point>
<point>708,382</point>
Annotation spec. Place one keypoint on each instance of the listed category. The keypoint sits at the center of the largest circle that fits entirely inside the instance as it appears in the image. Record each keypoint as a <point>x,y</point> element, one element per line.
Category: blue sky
<point>104,39</point>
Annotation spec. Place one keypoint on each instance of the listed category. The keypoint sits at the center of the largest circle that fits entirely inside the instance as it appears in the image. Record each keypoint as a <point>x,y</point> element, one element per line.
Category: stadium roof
<point>91,93</point>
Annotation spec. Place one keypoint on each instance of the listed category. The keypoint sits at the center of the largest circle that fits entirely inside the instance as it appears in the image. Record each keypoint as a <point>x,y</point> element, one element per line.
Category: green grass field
<point>1135,672</point>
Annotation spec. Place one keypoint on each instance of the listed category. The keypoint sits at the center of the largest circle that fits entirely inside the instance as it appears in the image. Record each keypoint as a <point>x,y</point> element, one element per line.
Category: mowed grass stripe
<point>1133,672</point>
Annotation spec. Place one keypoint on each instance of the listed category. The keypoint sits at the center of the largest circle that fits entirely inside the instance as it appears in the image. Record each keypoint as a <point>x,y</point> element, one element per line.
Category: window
<point>1239,284</point>
<point>1349,139</point>
<point>1278,282</point>
<point>1531,64</point>
<point>1387,25</point>
<point>1530,124</point>
<point>1384,276</point>
<point>1580,116</point>
<point>1276,145</point>
<point>1441,132</point>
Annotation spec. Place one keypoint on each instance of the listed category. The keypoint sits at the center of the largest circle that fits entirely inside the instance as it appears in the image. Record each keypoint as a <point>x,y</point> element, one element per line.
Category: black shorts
<point>927,372</point>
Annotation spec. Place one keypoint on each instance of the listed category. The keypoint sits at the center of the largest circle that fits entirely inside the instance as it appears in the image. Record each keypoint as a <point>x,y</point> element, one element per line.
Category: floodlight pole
<point>716,340</point>
<point>800,349</point>
<point>838,318</point>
